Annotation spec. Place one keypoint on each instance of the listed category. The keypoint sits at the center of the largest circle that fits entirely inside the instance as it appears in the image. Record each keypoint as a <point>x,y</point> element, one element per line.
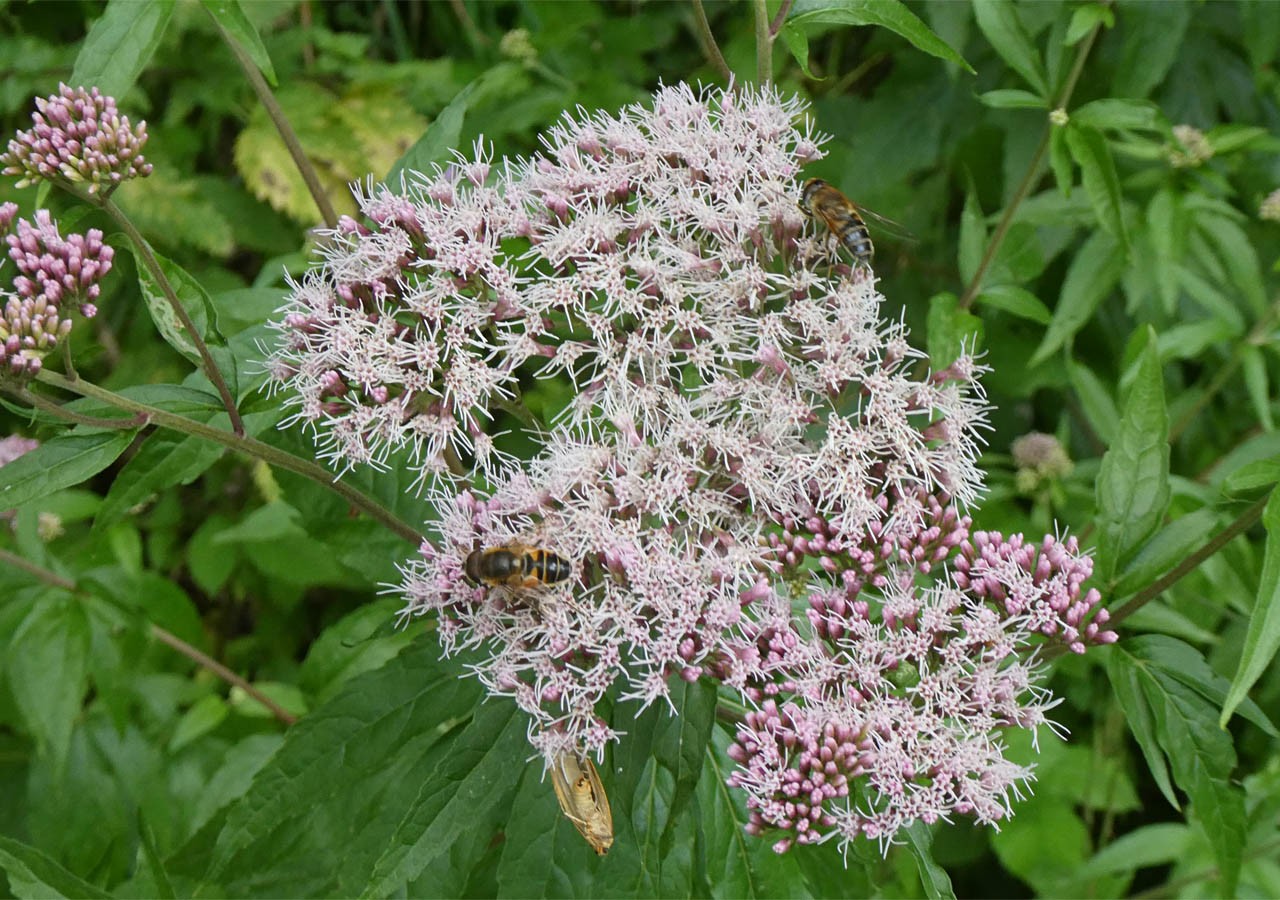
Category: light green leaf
<point>1262,640</point>
<point>1232,246</point>
<point>48,668</point>
<point>1150,845</point>
<point>934,878</point>
<point>1226,139</point>
<point>1127,681</point>
<point>164,460</point>
<point>1085,19</point>
<point>1016,301</point>
<point>439,139</point>
<point>1112,112</point>
<point>1060,160</point>
<point>194,300</point>
<point>205,714</point>
<point>1167,228</point>
<point>890,14</point>
<point>1096,401</point>
<point>1251,476</point>
<point>34,876</point>
<point>62,462</point>
<point>231,18</point>
<point>1003,29</point>
<point>1166,548</point>
<point>1152,35</point>
<point>1012,98</point>
<point>1257,383</point>
<point>1133,481</point>
<point>1098,172</point>
<point>951,330</point>
<point>1093,273</point>
<point>973,235</point>
<point>120,44</point>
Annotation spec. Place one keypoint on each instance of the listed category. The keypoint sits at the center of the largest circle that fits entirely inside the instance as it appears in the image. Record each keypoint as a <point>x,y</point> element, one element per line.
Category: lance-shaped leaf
<point>119,45</point>
<point>890,14</point>
<point>1002,27</point>
<point>1098,172</point>
<point>32,874</point>
<point>1262,640</point>
<point>66,460</point>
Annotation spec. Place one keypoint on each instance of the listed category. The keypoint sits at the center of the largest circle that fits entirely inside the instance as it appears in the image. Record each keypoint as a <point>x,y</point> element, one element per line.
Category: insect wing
<point>583,800</point>
<point>888,226</point>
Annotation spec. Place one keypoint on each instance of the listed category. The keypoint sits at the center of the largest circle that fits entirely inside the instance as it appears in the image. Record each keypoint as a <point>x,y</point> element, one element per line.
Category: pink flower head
<point>78,136</point>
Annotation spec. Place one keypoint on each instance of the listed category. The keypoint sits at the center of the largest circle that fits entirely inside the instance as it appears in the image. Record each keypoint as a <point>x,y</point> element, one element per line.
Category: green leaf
<point>1112,112</point>
<point>120,44</point>
<point>1151,36</point>
<point>1257,384</point>
<point>349,761</point>
<point>1167,228</point>
<point>1085,19</point>
<point>1150,845</point>
<point>191,294</point>
<point>1045,864</point>
<point>1133,481</point>
<point>1098,172</point>
<point>1012,98</point>
<point>1233,247</point>
<point>797,41</point>
<point>33,875</point>
<point>934,878</point>
<point>1262,639</point>
<point>1096,401</point>
<point>1166,548</point>
<point>205,714</point>
<point>1261,473</point>
<point>439,139</point>
<point>231,19</point>
<point>1016,301</point>
<point>66,460</point>
<point>951,330</point>
<point>543,854</point>
<point>973,235</point>
<point>1260,32</point>
<point>1200,754</point>
<point>1093,273</point>
<point>1002,27</point>
<point>890,14</point>
<point>48,669</point>
<point>155,865</point>
<point>164,460</point>
<point>1226,139</point>
<point>1060,160</point>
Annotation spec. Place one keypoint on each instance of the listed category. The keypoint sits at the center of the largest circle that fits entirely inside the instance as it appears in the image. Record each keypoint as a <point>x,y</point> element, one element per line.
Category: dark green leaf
<point>543,854</point>
<point>934,878</point>
<point>973,235</point>
<point>231,18</point>
<point>439,139</point>
<point>1093,273</point>
<point>120,44</point>
<point>1152,34</point>
<point>164,460</point>
<point>1150,845</point>
<point>1226,139</point>
<point>1046,865</point>
<point>1262,640</point>
<point>48,668</point>
<point>890,14</point>
<point>1085,19</point>
<point>1002,27</point>
<point>1098,172</point>
<point>66,460</point>
<point>33,875</point>
<point>1133,482</point>
<point>1060,160</point>
<point>797,41</point>
<point>1236,251</point>
<point>1261,32</point>
<point>1166,548</point>
<point>159,877</point>
<point>1257,383</point>
<point>1016,301</point>
<point>1167,227</point>
<point>1112,112</point>
<point>1012,98</point>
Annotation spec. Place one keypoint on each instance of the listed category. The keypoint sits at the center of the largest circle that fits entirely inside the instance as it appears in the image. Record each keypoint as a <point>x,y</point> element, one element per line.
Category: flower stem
<point>285,130</point>
<point>136,421</point>
<point>708,41</point>
<point>241,444</point>
<point>148,259</point>
<point>764,42</point>
<point>1032,174</point>
<point>166,637</point>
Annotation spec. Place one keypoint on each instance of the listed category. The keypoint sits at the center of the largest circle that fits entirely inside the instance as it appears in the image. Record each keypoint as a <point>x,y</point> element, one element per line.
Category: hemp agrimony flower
<point>747,437</point>
<point>78,136</point>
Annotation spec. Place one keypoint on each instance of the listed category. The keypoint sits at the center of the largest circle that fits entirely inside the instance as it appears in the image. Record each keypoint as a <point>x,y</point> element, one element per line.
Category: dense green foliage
<point>1114,270</point>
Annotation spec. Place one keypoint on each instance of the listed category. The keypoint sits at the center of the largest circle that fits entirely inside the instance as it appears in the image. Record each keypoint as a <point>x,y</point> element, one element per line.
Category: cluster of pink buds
<point>78,136</point>
<point>54,271</point>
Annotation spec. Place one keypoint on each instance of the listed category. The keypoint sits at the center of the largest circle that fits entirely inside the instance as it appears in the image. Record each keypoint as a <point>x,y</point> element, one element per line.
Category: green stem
<point>241,444</point>
<point>76,418</point>
<point>708,41</point>
<point>148,259</point>
<point>1032,174</point>
<point>166,637</point>
<point>285,130</point>
<point>764,43</point>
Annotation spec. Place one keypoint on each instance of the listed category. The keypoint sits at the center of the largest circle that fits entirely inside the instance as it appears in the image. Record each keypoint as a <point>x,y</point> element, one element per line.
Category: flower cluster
<point>1269,209</point>
<point>78,136</point>
<point>1192,148</point>
<point>1039,458</point>
<point>53,272</point>
<point>746,436</point>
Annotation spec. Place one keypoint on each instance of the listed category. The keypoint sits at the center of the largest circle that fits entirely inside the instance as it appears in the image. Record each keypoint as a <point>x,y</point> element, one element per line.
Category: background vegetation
<point>1114,269</point>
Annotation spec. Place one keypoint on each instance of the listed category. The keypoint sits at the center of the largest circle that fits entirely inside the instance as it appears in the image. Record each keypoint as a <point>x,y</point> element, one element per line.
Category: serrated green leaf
<point>120,44</point>
<point>164,460</point>
<point>1133,481</point>
<point>1166,548</point>
<point>1098,173</point>
<point>934,878</point>
<point>1127,678</point>
<point>1233,247</point>
<point>1016,301</point>
<point>889,14</point>
<point>543,855</point>
<point>1012,98</point>
<point>439,138</point>
<point>1093,273</point>
<point>231,18</point>
<point>1262,639</point>
<point>34,876</point>
<point>62,462</point>
<point>1119,113</point>
<point>48,668</point>
<point>1257,384</point>
<point>951,330</point>
<point>1003,29</point>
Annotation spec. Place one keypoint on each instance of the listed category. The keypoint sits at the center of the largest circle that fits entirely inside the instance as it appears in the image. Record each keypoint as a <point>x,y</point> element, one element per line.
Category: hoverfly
<point>844,218</point>
<point>583,800</point>
<point>517,566</point>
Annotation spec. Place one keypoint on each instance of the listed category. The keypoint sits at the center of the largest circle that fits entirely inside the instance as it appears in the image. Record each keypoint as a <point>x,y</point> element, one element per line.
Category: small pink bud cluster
<point>54,272</point>
<point>78,136</point>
